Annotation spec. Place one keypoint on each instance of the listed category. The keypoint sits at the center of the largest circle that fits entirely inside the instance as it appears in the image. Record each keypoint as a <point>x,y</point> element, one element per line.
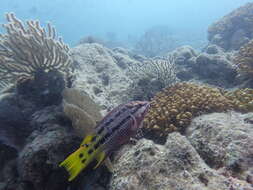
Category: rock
<point>174,166</point>
<point>233,30</point>
<point>183,57</point>
<point>48,116</point>
<point>7,155</point>
<point>38,161</point>
<point>102,76</point>
<point>215,69</point>
<point>224,140</point>
<point>183,54</point>
<point>213,49</point>
<point>122,57</point>
<point>213,66</point>
<point>14,117</point>
<point>44,89</point>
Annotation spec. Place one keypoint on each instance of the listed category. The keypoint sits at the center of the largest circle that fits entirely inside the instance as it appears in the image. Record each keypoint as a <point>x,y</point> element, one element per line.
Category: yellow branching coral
<point>244,59</point>
<point>25,50</point>
<point>174,107</point>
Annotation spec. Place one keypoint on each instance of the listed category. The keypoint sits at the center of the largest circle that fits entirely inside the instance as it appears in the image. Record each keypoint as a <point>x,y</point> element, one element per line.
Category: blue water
<point>121,19</point>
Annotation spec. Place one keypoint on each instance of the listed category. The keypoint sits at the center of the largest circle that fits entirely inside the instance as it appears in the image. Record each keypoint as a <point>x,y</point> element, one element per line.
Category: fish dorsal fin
<point>87,140</point>
<point>100,158</point>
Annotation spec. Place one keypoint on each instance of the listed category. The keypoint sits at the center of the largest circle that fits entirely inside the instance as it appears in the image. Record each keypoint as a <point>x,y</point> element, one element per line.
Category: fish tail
<point>78,161</point>
<point>74,164</point>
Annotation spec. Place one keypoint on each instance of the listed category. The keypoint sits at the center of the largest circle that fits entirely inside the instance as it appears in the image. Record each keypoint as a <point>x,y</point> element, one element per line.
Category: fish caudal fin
<point>80,159</point>
<point>76,162</point>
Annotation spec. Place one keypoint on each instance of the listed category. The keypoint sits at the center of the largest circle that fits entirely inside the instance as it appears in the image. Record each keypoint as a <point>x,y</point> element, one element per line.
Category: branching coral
<point>174,107</point>
<point>151,76</point>
<point>161,69</point>
<point>244,59</point>
<point>27,50</point>
<point>242,99</point>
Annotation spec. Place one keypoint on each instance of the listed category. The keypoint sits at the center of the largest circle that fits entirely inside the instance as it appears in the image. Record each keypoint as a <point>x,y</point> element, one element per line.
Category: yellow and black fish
<point>116,129</point>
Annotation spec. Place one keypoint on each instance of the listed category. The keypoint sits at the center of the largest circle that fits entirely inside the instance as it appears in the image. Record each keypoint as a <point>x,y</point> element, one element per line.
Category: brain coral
<point>173,108</point>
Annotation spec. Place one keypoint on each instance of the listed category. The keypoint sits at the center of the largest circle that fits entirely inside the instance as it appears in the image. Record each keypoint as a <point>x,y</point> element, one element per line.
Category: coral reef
<point>242,99</point>
<point>212,66</point>
<point>173,108</point>
<point>216,69</point>
<point>160,69</point>
<point>151,76</point>
<point>234,29</point>
<point>175,165</point>
<point>14,116</point>
<point>244,60</point>
<point>102,75</point>
<point>29,51</point>
<point>38,161</point>
<point>81,110</point>
<point>225,142</point>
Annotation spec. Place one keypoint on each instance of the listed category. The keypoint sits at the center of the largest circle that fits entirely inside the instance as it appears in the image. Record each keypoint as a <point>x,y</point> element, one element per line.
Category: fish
<point>114,130</point>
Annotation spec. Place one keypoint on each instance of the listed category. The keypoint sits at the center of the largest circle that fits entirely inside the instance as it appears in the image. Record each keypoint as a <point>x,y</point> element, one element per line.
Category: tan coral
<point>242,99</point>
<point>173,108</point>
<point>81,110</point>
<point>244,59</point>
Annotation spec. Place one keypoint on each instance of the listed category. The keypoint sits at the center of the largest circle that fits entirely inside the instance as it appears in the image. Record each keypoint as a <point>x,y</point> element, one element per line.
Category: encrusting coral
<point>173,108</point>
<point>28,50</point>
<point>244,59</point>
<point>81,110</point>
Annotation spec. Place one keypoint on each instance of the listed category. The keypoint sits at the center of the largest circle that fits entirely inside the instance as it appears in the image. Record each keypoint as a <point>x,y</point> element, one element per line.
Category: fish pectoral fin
<point>100,158</point>
<point>108,164</point>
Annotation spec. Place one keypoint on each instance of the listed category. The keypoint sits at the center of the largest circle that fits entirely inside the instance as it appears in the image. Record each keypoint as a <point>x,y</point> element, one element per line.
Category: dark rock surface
<point>234,29</point>
<point>38,161</point>
<point>14,119</point>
